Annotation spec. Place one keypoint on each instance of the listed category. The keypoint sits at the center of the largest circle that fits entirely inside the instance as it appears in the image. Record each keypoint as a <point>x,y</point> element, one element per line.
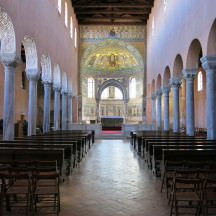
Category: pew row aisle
<point>186,166</point>
<point>31,169</point>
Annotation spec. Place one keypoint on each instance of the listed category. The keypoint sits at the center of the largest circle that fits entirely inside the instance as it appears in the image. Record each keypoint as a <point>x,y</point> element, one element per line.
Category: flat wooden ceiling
<point>112,12</point>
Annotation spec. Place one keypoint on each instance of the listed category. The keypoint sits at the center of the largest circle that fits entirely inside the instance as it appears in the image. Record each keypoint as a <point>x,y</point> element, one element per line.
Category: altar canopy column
<point>33,76</point>
<point>70,111</point>
<point>64,109</point>
<point>46,116</point>
<point>159,119</point>
<point>56,107</point>
<point>175,83</point>
<point>10,62</point>
<point>209,64</point>
<point>166,91</point>
<point>153,97</point>
<point>189,75</point>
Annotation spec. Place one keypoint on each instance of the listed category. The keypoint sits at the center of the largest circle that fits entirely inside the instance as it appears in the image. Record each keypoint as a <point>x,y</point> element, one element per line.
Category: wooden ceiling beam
<point>109,18</point>
<point>113,6</point>
<point>113,23</point>
<point>112,12</point>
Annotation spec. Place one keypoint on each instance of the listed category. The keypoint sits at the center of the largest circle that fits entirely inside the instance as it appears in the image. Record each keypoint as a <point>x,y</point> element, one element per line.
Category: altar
<point>111,122</point>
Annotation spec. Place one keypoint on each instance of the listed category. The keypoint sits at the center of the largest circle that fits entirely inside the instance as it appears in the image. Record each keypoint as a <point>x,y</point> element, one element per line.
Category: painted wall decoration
<point>97,32</point>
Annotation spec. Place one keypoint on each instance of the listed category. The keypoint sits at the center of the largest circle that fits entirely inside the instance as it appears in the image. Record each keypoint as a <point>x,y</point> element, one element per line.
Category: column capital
<point>189,74</point>
<point>64,91</point>
<point>175,82</point>
<point>56,87</point>
<point>32,74</point>
<point>159,92</point>
<point>153,95</point>
<point>209,62</point>
<point>47,83</point>
<point>70,94</point>
<point>166,90</point>
<point>10,59</point>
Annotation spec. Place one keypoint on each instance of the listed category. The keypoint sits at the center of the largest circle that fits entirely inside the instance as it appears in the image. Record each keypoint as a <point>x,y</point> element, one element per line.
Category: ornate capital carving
<point>64,91</point>
<point>189,74</point>
<point>32,74</point>
<point>70,94</point>
<point>10,59</point>
<point>153,96</point>
<point>158,92</point>
<point>166,90</point>
<point>47,84</point>
<point>175,82</point>
<point>56,87</point>
<point>209,62</point>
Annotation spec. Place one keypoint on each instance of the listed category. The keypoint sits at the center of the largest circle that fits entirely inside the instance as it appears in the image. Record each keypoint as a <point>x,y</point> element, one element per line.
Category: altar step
<point>111,136</point>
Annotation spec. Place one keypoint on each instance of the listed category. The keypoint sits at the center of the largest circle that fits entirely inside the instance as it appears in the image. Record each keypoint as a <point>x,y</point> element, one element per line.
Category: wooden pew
<point>156,159</point>
<point>29,153</point>
<point>69,151</point>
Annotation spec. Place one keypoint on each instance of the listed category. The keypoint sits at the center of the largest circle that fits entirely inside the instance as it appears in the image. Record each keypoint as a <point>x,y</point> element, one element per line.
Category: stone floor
<point>112,181</point>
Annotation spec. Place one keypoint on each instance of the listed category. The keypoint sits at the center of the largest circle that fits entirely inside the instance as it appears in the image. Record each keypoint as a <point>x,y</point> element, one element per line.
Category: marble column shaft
<point>175,83</point>
<point>209,64</point>
<point>166,91</point>
<point>33,76</point>
<point>56,107</point>
<point>10,62</point>
<point>189,75</point>
<point>159,114</point>
<point>46,116</point>
<point>153,97</point>
<point>70,108</point>
<point>64,110</point>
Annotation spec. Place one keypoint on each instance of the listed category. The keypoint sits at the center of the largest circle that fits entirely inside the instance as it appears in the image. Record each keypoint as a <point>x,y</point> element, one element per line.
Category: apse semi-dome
<point>111,56</point>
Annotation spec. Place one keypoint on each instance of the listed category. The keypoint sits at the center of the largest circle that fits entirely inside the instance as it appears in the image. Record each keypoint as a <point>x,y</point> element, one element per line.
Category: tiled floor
<point>112,181</point>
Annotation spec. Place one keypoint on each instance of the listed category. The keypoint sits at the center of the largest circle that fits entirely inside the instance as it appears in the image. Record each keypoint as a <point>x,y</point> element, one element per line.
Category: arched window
<point>133,87</point>
<point>90,88</point>
<point>75,38</point>
<point>200,81</point>
<point>153,26</point>
<point>71,27</point>
<point>118,93</point>
<point>105,93</point>
<point>165,4</point>
<point>59,6</point>
<point>66,14</point>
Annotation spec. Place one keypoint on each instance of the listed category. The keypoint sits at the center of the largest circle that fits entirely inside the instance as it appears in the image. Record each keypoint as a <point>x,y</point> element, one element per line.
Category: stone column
<point>56,106</point>
<point>153,97</point>
<point>159,118</point>
<point>166,91</point>
<point>209,64</point>
<point>33,76</point>
<point>175,83</point>
<point>10,62</point>
<point>97,111</point>
<point>46,115</point>
<point>64,109</point>
<point>70,111</point>
<point>189,75</point>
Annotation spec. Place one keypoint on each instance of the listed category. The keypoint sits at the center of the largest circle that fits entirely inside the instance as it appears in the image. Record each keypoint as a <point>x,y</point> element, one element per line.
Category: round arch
<point>194,54</point>
<point>46,73</point>
<point>31,56</point>
<point>64,81</point>
<point>56,76</point>
<point>114,83</point>
<point>158,86</point>
<point>166,76</point>
<point>153,86</point>
<point>7,33</point>
<point>178,66</point>
<point>211,44</point>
